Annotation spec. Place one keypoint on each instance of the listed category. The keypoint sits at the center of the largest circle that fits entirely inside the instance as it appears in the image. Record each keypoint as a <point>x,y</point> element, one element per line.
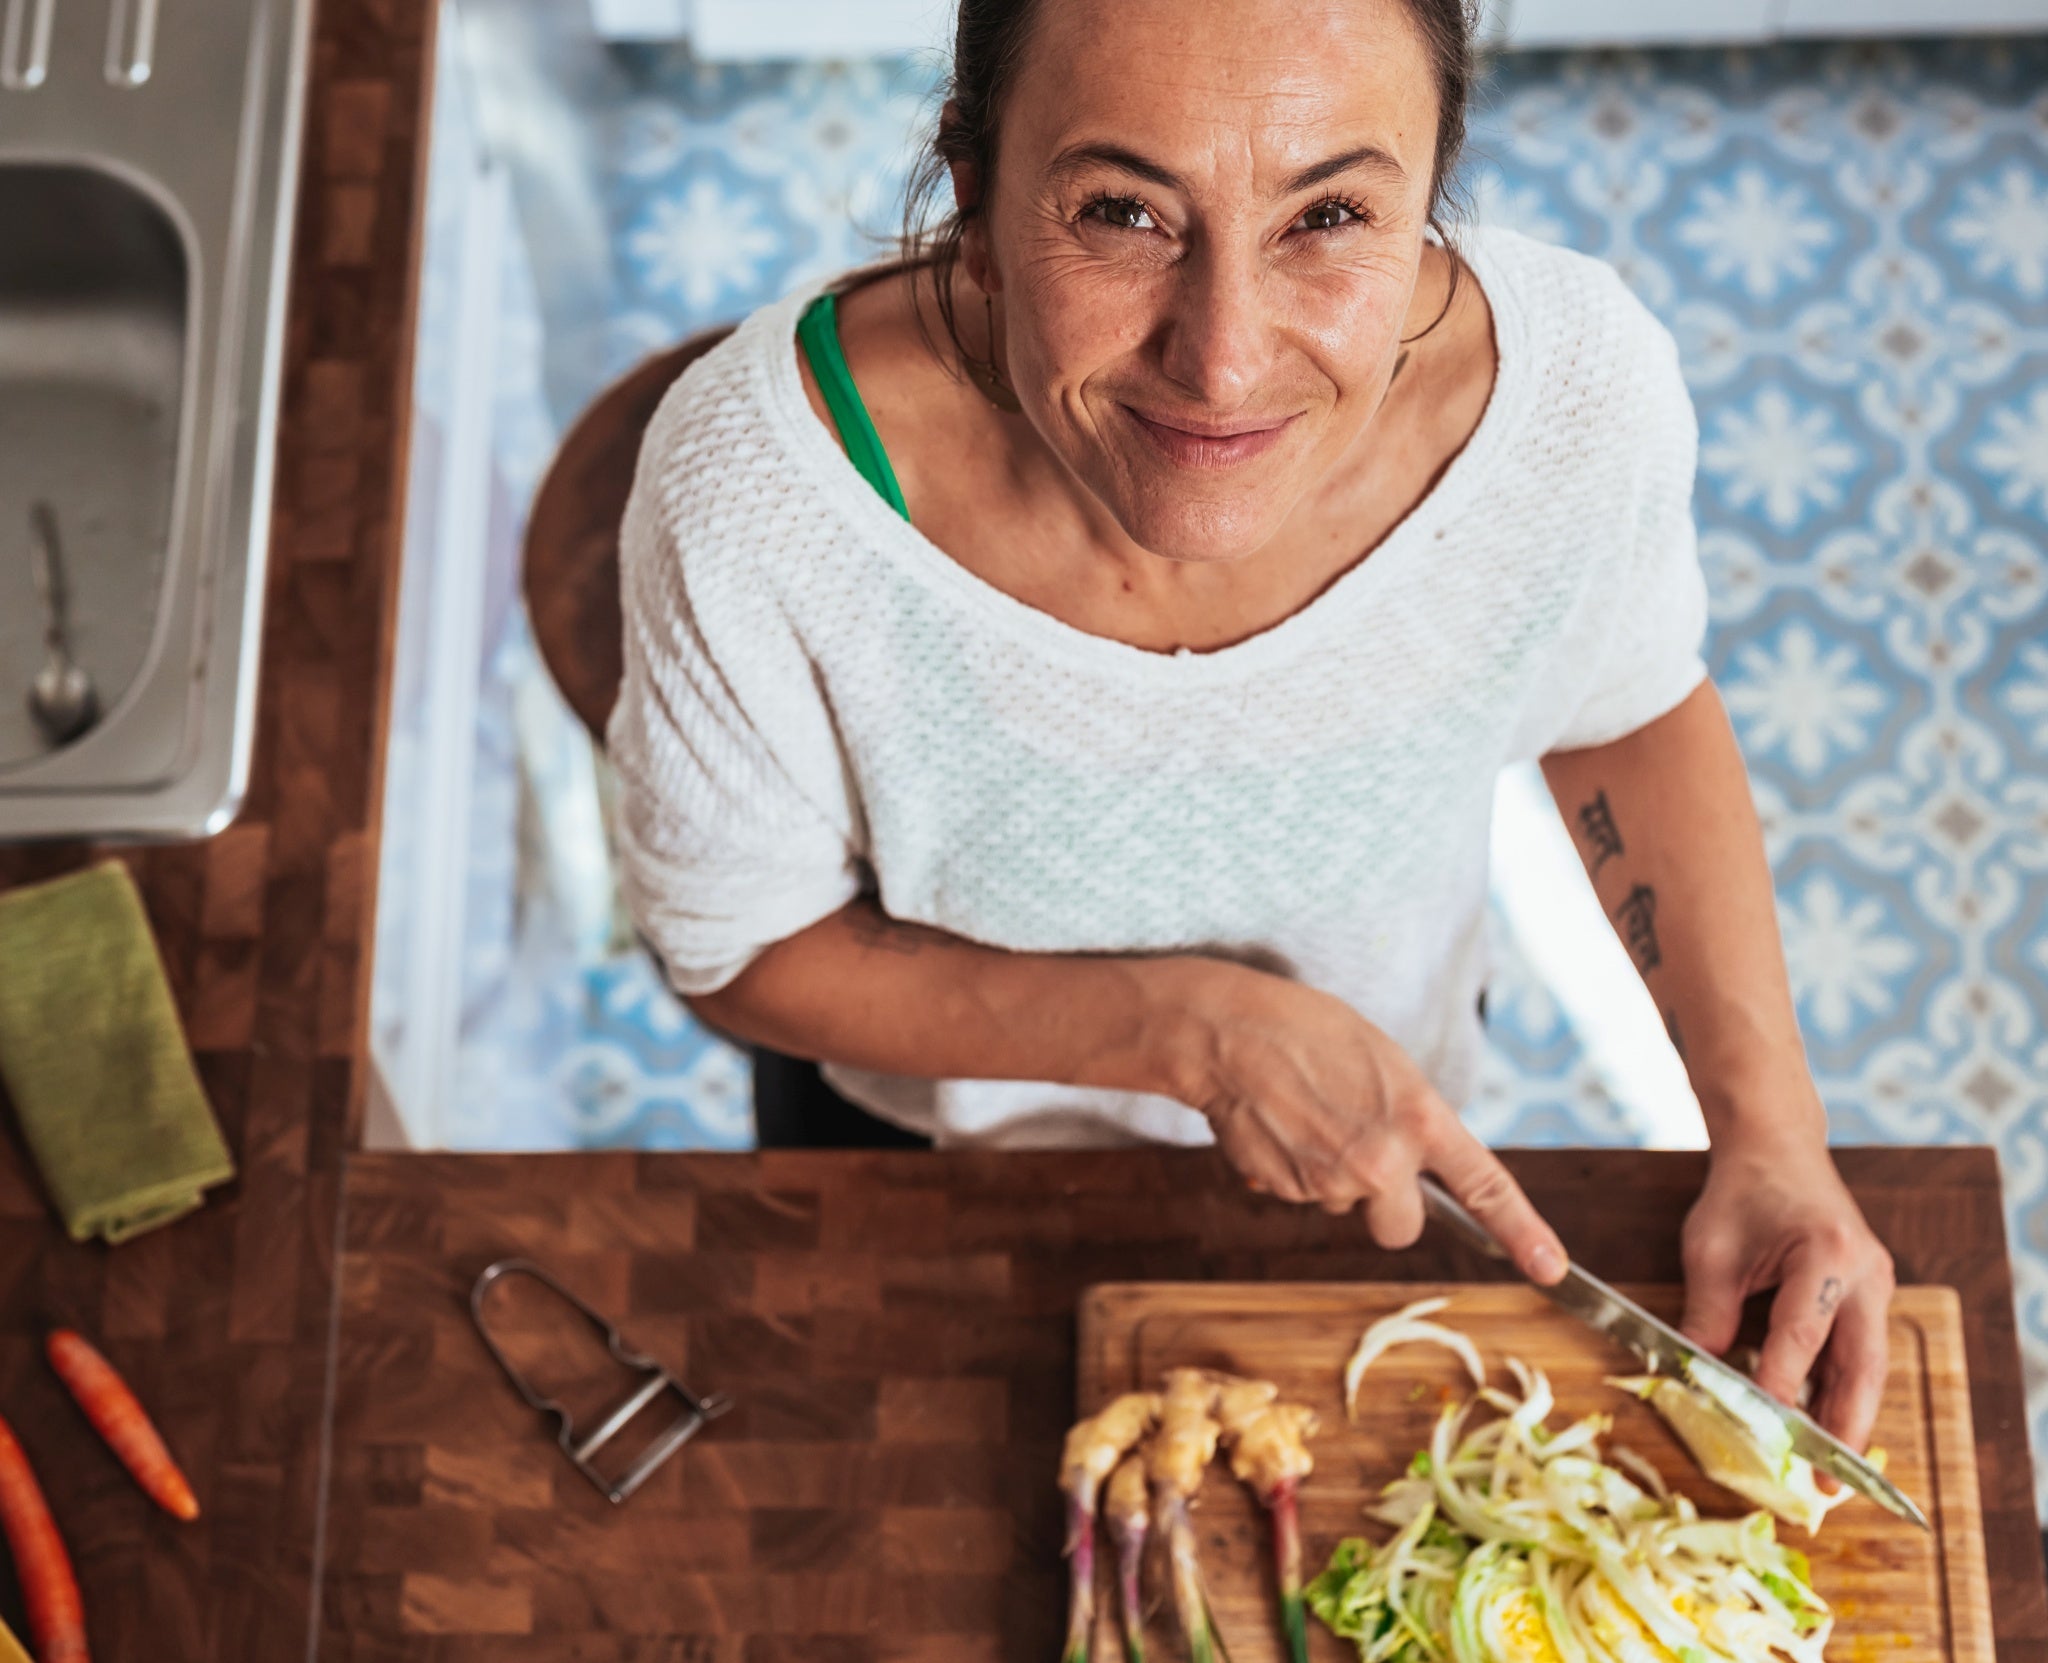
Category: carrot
<point>118,1418</point>
<point>56,1615</point>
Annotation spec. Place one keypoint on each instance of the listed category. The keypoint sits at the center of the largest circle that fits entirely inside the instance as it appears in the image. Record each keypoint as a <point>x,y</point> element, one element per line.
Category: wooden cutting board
<point>1900,1595</point>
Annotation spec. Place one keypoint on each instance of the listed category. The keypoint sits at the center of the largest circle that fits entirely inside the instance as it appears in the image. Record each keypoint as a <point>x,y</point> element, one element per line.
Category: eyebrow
<point>1367,156</point>
<point>1082,156</point>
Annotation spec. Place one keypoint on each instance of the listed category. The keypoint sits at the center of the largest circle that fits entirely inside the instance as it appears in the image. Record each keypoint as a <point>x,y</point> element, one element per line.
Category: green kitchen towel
<point>94,1058</point>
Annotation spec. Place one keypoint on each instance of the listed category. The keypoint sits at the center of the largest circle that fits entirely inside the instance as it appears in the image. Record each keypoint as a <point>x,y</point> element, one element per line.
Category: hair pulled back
<point>988,48</point>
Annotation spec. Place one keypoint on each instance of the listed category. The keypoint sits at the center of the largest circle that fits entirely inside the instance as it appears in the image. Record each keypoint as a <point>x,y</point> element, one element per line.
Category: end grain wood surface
<point>221,1321</point>
<point>900,1327</point>
<point>899,1332</point>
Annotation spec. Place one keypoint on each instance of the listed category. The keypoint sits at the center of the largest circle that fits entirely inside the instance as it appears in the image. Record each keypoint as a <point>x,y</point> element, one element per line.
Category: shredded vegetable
<point>1514,1540</point>
<point>1739,1449</point>
<point>1408,1326</point>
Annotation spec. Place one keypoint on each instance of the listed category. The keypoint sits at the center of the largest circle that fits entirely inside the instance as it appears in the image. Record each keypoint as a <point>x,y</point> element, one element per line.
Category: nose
<point>1219,338</point>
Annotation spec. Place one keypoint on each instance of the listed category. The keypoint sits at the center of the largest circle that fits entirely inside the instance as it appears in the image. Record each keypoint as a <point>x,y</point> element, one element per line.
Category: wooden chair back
<point>570,561</point>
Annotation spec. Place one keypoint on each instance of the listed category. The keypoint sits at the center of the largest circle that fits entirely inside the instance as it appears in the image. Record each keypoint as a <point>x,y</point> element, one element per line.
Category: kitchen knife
<point>1666,1351</point>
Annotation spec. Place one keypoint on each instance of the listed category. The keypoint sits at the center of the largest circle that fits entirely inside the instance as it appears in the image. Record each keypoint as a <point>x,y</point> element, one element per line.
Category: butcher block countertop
<point>898,1334</point>
<point>222,1320</point>
<point>898,1331</point>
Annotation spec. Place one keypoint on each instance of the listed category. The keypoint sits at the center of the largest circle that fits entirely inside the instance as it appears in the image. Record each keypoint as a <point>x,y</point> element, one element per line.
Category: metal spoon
<point>61,699</point>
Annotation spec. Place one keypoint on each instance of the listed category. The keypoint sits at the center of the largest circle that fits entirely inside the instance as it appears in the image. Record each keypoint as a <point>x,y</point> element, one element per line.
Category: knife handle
<point>1448,1211</point>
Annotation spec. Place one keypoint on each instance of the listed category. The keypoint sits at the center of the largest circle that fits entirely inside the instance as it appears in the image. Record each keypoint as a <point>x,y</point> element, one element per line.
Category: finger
<point>1382,1170</point>
<point>1474,1174</point>
<point>1260,1156</point>
<point>1713,1297</point>
<point>1393,1211</point>
<point>1802,1316</point>
<point>1857,1357</point>
<point>1351,1173</point>
<point>1326,1172</point>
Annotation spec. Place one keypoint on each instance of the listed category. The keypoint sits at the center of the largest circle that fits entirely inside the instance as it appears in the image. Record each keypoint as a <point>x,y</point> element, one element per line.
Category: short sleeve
<point>1646,657</point>
<point>735,822</point>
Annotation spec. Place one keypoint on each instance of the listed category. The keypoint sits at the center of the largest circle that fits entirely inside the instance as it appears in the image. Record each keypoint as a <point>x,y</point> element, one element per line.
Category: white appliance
<point>726,31</point>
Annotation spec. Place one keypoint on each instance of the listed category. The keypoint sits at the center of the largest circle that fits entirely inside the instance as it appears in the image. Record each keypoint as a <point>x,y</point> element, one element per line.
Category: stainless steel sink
<point>93,301</point>
<point>148,161</point>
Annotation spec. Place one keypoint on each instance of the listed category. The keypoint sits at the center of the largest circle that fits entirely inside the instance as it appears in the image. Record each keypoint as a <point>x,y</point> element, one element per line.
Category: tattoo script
<point>1830,1295</point>
<point>1637,916</point>
<point>1603,837</point>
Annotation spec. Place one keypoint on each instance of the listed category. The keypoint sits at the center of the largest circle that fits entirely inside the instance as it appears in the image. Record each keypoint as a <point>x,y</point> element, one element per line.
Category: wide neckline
<point>910,549</point>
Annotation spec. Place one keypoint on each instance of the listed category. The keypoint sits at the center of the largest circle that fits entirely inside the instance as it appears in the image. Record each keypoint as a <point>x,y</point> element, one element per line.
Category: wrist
<point>1772,1123</point>
<point>1182,996</point>
<point>1755,1090</point>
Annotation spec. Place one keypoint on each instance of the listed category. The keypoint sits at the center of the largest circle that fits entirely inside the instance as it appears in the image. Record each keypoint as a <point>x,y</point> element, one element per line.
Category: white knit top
<point>818,700</point>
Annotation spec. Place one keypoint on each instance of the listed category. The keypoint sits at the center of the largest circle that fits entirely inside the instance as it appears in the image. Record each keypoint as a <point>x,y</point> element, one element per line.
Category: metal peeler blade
<point>697,1411</point>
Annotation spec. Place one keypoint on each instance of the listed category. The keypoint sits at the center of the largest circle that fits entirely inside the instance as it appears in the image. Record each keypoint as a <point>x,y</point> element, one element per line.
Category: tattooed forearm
<point>1637,916</point>
<point>1603,837</point>
<point>1830,1295</point>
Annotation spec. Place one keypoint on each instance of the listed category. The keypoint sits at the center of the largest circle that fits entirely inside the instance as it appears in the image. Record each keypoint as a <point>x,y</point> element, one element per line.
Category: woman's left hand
<point>1782,1217</point>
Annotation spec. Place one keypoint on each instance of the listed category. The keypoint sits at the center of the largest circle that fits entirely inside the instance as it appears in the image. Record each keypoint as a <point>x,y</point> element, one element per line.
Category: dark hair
<point>988,46</point>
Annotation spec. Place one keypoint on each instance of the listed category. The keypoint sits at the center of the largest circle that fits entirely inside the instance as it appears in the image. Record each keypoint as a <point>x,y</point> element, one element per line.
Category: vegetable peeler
<point>697,1411</point>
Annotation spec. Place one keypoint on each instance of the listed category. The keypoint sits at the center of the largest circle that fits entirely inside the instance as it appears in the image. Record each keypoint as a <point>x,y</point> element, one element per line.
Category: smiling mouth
<point>1197,447</point>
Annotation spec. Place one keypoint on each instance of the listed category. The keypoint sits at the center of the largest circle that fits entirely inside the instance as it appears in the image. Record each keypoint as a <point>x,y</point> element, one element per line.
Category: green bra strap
<point>817,332</point>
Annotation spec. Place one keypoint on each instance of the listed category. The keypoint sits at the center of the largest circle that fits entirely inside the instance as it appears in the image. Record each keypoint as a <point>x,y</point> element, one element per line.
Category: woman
<point>1067,672</point>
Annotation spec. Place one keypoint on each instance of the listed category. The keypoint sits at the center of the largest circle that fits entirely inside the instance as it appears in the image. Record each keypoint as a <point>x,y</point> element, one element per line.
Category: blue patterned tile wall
<point>1852,247</point>
<point>730,186</point>
<point>1851,244</point>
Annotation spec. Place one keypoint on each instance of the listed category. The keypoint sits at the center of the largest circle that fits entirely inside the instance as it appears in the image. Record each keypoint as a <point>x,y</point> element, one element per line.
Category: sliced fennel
<point>1408,1326</point>
<point>1514,1541</point>
<point>1748,1453</point>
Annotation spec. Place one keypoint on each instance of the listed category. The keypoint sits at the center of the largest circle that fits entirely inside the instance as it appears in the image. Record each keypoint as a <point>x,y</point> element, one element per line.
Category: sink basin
<point>148,166</point>
<point>94,283</point>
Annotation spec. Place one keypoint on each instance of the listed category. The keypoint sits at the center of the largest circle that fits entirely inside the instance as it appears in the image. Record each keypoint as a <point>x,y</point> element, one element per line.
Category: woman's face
<point>1204,231</point>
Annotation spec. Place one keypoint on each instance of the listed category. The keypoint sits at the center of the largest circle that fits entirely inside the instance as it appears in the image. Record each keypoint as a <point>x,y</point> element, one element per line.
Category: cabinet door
<point>1534,23</point>
<point>743,30</point>
<point>1909,17</point>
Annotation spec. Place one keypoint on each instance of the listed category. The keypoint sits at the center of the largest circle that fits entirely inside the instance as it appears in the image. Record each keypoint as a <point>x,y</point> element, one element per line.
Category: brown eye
<point>1124,213</point>
<point>1329,216</point>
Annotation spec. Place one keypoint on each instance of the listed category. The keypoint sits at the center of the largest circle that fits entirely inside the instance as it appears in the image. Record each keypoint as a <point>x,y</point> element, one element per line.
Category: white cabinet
<point>1540,23</point>
<point>1910,17</point>
<point>741,31</point>
<point>430,761</point>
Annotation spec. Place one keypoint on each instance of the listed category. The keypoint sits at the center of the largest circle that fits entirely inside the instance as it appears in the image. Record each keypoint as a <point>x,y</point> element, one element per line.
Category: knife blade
<point>1666,1351</point>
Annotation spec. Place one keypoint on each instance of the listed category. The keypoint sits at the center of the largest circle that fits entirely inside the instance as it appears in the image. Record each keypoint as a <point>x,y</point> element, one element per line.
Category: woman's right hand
<point>1311,1102</point>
